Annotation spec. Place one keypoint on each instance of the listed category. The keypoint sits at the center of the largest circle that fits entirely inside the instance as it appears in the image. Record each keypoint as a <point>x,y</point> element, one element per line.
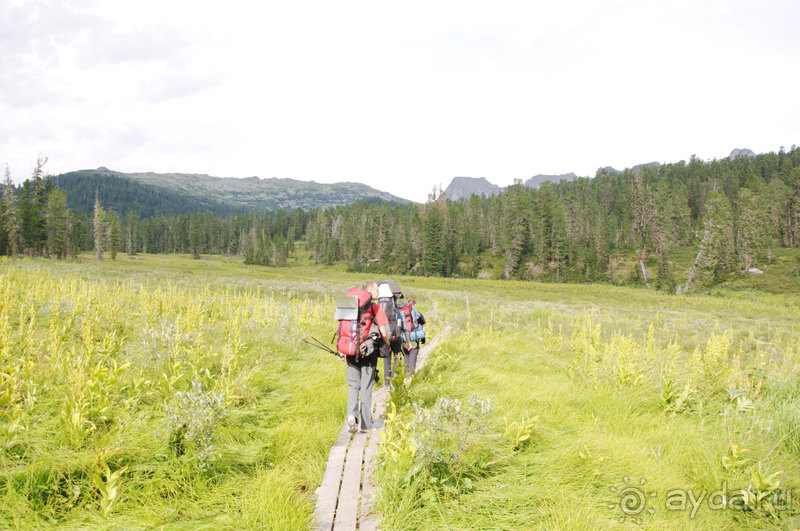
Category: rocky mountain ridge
<point>464,187</point>
<point>255,193</point>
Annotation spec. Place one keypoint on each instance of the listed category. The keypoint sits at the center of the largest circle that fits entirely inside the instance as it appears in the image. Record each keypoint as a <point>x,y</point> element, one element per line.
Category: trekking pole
<point>319,345</point>
<point>318,342</point>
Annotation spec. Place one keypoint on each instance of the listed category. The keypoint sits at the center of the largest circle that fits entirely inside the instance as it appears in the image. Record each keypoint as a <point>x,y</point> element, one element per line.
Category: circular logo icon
<point>631,500</point>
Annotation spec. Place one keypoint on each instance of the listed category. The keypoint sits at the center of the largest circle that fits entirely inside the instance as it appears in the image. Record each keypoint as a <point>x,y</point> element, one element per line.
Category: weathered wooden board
<point>368,522</point>
<point>329,490</point>
<point>350,494</point>
<point>344,437</point>
<point>344,500</point>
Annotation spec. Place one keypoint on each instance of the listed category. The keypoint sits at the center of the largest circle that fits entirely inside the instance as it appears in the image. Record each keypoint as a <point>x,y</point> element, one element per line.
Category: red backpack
<point>355,316</point>
<point>415,332</point>
<point>410,324</point>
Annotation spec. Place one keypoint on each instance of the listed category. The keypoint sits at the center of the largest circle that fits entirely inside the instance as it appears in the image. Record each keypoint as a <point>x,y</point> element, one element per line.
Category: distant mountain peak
<point>537,180</point>
<point>639,167</point>
<point>736,153</point>
<point>607,169</point>
<point>464,187</point>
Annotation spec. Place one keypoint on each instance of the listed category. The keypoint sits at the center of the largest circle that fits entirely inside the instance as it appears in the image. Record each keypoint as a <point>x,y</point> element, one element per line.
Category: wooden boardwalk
<point>344,500</point>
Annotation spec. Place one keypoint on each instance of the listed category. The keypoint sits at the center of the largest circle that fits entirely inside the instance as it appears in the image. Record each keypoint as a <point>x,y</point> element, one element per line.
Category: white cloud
<point>400,96</point>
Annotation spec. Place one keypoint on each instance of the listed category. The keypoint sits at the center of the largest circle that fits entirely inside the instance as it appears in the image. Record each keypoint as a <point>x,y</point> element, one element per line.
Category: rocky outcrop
<point>536,180</point>
<point>639,167</point>
<point>607,170</point>
<point>464,187</point>
<point>736,153</point>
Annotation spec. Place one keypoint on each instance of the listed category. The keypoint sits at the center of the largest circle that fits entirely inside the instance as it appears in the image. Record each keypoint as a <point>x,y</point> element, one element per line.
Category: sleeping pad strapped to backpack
<point>356,317</point>
<point>387,302</point>
<point>415,331</point>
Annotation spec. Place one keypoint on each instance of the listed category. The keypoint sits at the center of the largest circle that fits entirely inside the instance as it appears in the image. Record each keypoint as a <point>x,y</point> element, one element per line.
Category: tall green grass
<point>92,357</point>
<point>595,365</point>
<point>595,375</point>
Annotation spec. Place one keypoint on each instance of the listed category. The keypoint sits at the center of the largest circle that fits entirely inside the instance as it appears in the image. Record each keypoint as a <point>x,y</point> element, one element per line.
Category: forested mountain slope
<point>697,222</point>
<point>122,194</point>
<point>254,193</point>
<point>154,194</point>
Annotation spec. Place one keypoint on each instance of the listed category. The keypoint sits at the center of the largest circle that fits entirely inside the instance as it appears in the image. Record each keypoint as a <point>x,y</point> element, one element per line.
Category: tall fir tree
<point>99,228</point>
<point>9,224</point>
<point>751,228</point>
<point>433,251</point>
<point>196,235</point>
<point>32,215</point>
<point>718,259</point>
<point>57,223</point>
<point>131,232</point>
<point>114,234</point>
<point>516,226</point>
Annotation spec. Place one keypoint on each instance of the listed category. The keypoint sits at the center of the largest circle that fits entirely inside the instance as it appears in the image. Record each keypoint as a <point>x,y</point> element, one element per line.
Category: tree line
<point>734,212</point>
<point>36,221</point>
<point>122,194</point>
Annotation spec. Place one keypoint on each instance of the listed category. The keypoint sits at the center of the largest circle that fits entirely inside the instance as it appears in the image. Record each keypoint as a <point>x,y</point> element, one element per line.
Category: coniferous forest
<point>734,214</point>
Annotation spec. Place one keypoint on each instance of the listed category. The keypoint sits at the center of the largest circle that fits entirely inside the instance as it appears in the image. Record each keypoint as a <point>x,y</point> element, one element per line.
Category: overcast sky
<point>397,95</point>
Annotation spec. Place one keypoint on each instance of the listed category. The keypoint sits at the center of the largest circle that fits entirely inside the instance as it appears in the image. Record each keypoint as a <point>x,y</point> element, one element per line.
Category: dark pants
<point>390,363</point>
<point>410,358</point>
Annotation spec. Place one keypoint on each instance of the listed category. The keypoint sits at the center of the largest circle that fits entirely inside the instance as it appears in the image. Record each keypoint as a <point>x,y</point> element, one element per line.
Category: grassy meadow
<point>611,407</point>
<point>160,392</point>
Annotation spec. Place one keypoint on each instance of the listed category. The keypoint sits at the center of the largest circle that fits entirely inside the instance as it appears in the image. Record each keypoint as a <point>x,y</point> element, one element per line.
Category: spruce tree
<point>99,228</point>
<point>433,252</point>
<point>751,228</point>
<point>665,280</point>
<point>196,235</point>
<point>718,258</point>
<point>131,232</point>
<point>516,226</point>
<point>114,234</point>
<point>9,224</point>
<point>57,223</point>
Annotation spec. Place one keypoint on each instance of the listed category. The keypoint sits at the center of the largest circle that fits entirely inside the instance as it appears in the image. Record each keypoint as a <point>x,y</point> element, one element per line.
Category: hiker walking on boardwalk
<point>388,293</point>
<point>415,326</point>
<point>359,335</point>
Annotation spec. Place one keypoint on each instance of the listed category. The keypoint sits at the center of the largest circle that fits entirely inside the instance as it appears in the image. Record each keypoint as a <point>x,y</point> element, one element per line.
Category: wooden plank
<point>328,491</point>
<point>344,437</point>
<point>349,495</point>
<point>359,440</point>
<point>380,413</point>
<point>347,487</point>
<point>380,394</point>
<point>368,522</point>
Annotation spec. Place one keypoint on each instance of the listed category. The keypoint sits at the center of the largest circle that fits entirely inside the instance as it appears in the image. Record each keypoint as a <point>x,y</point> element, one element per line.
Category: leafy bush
<point>193,421</point>
<point>448,436</point>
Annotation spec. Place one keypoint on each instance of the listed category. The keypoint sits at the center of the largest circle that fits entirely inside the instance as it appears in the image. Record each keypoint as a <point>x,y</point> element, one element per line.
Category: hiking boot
<point>351,424</point>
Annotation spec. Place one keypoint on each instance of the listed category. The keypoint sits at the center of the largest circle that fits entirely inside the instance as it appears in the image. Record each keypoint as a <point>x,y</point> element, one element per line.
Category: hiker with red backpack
<point>388,293</point>
<point>361,330</point>
<point>415,325</point>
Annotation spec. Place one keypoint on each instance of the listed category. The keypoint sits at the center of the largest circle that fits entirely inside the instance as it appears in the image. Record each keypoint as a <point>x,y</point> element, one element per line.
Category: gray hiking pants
<point>410,358</point>
<point>360,375</point>
<point>390,363</point>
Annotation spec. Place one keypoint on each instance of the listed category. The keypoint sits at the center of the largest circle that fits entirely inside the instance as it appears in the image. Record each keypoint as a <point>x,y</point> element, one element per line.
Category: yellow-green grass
<point>163,321</point>
<point>590,361</point>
